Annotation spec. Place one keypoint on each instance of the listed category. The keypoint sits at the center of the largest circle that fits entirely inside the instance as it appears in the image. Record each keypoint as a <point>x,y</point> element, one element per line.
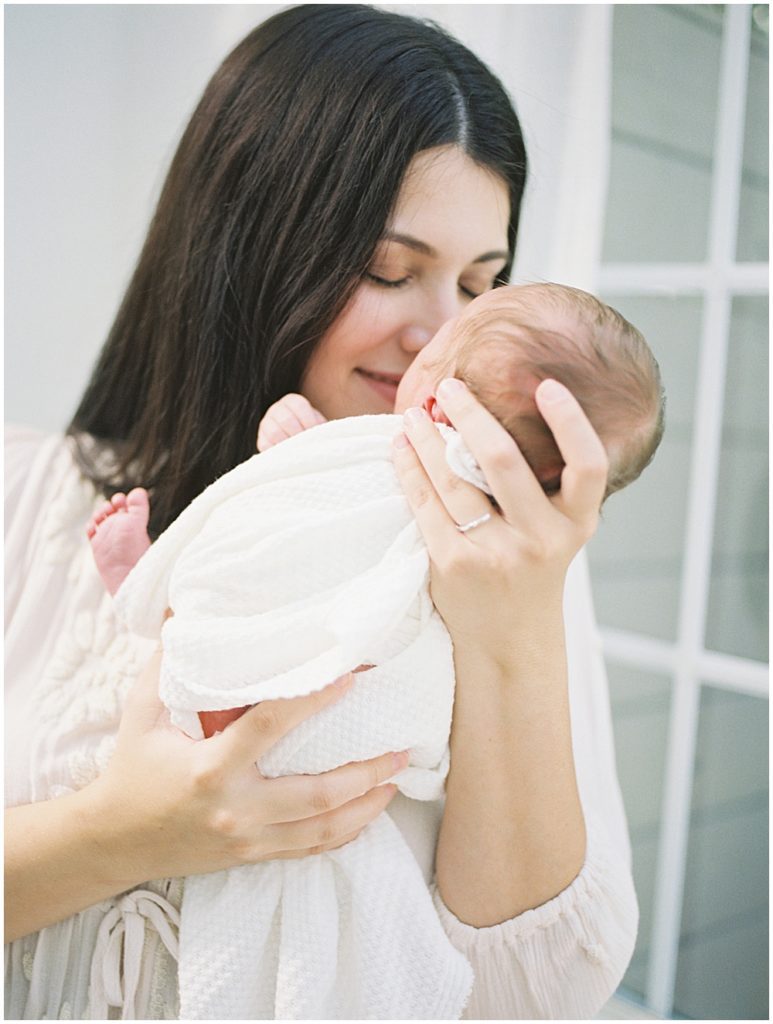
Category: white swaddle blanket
<point>301,564</point>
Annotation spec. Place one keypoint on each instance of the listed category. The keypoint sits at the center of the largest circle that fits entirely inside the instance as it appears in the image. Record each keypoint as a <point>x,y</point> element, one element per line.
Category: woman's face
<point>445,243</point>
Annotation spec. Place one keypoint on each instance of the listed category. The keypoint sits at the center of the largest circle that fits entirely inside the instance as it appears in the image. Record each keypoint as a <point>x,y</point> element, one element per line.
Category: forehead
<point>449,201</point>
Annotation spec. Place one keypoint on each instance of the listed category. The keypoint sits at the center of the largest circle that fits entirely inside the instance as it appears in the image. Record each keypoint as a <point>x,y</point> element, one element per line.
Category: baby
<point>502,346</point>
<point>304,563</point>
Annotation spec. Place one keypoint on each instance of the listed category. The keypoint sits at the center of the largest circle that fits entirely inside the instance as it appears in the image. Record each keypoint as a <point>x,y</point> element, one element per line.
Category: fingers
<point>463,501</point>
<point>436,525</point>
<point>294,797</point>
<point>508,473</point>
<point>515,486</point>
<point>584,477</point>
<point>335,845</point>
<point>289,416</point>
<point>304,411</point>
<point>249,737</point>
<point>327,831</point>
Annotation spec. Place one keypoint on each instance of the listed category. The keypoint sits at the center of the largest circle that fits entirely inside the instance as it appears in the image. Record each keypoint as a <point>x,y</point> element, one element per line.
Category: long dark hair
<point>273,206</point>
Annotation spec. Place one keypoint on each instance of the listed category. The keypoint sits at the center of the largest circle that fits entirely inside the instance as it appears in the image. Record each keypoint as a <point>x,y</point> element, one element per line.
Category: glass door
<point>679,565</point>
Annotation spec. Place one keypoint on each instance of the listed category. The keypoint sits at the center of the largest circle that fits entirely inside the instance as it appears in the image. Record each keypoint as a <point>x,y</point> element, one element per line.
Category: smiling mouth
<point>392,379</point>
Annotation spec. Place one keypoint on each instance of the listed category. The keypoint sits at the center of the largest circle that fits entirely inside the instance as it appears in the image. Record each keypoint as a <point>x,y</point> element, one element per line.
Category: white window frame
<point>717,281</point>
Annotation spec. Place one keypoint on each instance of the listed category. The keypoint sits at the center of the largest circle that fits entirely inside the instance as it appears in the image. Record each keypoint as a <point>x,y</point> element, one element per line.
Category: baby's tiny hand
<point>290,415</point>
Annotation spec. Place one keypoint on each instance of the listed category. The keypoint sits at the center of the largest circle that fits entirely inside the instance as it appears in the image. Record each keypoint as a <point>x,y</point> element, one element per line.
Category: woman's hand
<point>168,805</point>
<point>513,833</point>
<point>516,561</point>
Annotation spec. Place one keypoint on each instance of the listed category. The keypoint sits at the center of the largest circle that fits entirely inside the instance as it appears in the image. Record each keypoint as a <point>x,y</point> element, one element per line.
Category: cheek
<point>357,330</point>
<point>369,321</point>
<point>348,344</point>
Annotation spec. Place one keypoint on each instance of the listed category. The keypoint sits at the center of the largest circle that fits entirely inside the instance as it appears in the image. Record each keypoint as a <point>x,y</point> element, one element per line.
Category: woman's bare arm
<point>513,833</point>
<point>55,863</point>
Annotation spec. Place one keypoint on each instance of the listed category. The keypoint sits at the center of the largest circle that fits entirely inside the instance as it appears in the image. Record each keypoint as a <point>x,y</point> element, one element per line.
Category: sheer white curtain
<point>96,97</point>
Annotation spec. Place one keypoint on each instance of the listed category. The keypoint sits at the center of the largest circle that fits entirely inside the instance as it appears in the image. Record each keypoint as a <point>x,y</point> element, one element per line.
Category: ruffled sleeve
<point>561,961</point>
<point>564,959</point>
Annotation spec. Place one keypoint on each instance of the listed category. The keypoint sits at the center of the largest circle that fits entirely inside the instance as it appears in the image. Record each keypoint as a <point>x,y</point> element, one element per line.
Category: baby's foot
<point>118,532</point>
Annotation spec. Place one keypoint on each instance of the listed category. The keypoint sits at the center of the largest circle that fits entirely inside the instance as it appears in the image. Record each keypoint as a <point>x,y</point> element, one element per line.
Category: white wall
<point>96,99</point>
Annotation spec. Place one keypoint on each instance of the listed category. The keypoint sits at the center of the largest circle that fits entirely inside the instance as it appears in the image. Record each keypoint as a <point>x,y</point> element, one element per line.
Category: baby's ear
<point>435,412</point>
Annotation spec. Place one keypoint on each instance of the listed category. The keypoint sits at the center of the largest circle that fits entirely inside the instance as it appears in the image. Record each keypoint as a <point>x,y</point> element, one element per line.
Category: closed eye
<point>385,282</point>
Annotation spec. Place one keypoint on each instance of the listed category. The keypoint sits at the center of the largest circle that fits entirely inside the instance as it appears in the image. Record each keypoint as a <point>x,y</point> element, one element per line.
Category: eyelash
<point>385,283</point>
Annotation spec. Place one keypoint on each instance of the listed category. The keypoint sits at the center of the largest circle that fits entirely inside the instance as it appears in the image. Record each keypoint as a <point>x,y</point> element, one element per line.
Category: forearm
<point>56,864</point>
<point>513,833</point>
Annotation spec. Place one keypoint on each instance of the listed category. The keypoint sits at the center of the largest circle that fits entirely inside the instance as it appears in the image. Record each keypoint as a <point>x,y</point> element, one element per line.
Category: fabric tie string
<point>115,968</point>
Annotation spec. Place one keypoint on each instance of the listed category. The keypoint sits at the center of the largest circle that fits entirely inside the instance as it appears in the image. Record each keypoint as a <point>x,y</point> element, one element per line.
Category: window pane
<point>723,950</point>
<point>664,104</point>
<point>640,708</point>
<point>737,617</point>
<point>753,216</point>
<point>636,555</point>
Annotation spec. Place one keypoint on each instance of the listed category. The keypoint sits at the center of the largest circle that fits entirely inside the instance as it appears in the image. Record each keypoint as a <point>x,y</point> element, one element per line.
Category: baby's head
<point>509,339</point>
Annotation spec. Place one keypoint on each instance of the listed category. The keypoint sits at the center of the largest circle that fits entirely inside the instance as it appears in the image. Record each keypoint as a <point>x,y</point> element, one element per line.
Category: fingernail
<point>414,415</point>
<point>552,391</point>
<point>401,760</point>
<point>400,441</point>
<point>450,387</point>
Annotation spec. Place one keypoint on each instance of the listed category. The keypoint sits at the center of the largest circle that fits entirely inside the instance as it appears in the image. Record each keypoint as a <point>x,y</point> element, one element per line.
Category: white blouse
<point>68,667</point>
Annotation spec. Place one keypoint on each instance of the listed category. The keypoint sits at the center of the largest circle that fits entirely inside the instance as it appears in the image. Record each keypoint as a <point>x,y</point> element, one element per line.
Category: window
<point>680,565</point>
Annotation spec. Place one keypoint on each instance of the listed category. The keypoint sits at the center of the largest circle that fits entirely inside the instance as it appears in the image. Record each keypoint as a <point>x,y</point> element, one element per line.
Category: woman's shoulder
<point>41,476</point>
<point>21,441</point>
<point>24,448</point>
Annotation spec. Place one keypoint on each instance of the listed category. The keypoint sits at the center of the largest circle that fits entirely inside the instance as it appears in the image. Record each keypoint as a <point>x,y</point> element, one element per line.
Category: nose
<point>413,337</point>
<point>427,317</point>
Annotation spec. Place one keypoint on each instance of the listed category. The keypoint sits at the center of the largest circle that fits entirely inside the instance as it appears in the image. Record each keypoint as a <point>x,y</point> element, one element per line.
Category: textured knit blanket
<point>301,564</point>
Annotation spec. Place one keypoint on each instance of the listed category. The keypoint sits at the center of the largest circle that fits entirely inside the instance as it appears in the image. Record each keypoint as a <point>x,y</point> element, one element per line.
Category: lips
<point>385,378</point>
<point>382,384</point>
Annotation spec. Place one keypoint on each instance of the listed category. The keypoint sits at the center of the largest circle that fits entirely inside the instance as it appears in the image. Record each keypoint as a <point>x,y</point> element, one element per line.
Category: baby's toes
<point>98,518</point>
<point>103,512</point>
<point>138,504</point>
<point>118,502</point>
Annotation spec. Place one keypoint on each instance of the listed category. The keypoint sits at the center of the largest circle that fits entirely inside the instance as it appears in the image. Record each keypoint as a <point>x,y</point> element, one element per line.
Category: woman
<point>348,181</point>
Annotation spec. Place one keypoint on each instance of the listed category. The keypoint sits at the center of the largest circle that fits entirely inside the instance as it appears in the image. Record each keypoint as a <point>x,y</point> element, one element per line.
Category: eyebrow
<point>426,250</point>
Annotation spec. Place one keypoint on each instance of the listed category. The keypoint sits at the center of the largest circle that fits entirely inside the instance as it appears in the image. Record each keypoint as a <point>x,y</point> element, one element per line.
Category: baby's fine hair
<point>522,335</point>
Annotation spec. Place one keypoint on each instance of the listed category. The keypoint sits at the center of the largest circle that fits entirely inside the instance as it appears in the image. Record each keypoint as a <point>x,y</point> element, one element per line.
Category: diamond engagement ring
<point>474,522</point>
